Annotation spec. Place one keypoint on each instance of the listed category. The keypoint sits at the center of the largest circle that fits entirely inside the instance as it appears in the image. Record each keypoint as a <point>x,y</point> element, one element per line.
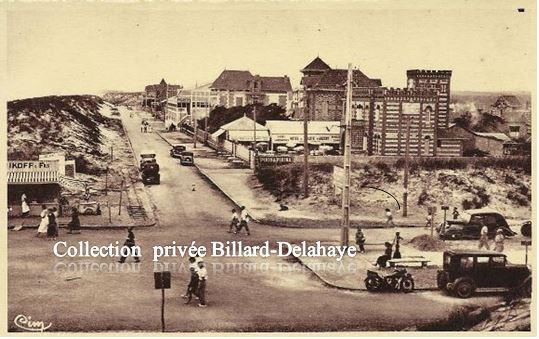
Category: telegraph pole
<point>306,112</point>
<point>345,224</point>
<point>406,169</point>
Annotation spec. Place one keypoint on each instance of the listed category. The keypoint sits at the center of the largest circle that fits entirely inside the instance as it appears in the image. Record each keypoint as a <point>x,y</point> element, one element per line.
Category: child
<point>455,213</point>
<point>360,240</point>
<point>234,222</point>
<point>389,217</point>
<point>429,220</point>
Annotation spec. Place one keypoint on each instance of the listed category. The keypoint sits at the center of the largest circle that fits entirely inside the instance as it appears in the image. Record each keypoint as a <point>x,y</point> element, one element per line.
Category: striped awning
<point>32,177</point>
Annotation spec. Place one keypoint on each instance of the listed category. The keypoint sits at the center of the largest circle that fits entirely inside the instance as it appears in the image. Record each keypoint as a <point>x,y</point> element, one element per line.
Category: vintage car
<point>187,158</point>
<point>150,173</point>
<point>470,222</point>
<point>176,150</point>
<point>147,156</point>
<point>466,271</point>
<point>89,208</point>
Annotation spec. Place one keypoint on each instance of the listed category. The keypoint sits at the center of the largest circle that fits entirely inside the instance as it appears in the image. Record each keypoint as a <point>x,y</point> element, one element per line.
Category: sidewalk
<point>243,189</point>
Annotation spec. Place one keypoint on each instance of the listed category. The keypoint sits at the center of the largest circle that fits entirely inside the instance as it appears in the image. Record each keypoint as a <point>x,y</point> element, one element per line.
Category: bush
<point>423,197</point>
<point>518,199</point>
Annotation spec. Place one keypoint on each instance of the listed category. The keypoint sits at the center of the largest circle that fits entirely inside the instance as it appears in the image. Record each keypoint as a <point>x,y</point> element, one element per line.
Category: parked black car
<point>187,158</point>
<point>470,222</point>
<point>150,173</point>
<point>466,271</point>
<point>176,150</point>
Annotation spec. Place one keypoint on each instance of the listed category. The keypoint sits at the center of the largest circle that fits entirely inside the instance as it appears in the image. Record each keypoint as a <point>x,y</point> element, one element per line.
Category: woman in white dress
<point>44,224</point>
<point>24,206</point>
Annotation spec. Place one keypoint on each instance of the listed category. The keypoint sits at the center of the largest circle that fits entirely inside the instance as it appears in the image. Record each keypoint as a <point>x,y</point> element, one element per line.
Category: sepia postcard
<point>268,168</point>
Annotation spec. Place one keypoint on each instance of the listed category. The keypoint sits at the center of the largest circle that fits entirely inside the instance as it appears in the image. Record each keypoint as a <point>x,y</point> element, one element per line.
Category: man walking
<point>192,287</point>
<point>483,238</point>
<point>499,240</point>
<point>130,242</point>
<point>202,277</point>
<point>233,222</point>
<point>360,240</point>
<point>244,221</point>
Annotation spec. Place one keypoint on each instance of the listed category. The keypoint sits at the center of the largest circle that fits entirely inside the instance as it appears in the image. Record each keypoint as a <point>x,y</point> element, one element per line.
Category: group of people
<point>145,127</point>
<point>197,281</point>
<point>48,226</point>
<point>239,221</point>
<point>382,260</point>
<point>499,239</point>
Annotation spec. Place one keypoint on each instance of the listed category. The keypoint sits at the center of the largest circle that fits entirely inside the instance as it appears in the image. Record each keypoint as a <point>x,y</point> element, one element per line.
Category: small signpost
<point>162,282</point>
<point>526,243</point>
<point>445,208</point>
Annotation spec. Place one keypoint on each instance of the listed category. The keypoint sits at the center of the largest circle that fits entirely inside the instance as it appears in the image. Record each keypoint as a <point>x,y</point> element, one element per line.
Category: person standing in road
<point>52,228</point>
<point>244,221</point>
<point>499,240</point>
<point>192,287</point>
<point>396,241</point>
<point>25,209</point>
<point>129,242</point>
<point>389,218</point>
<point>483,238</point>
<point>74,224</point>
<point>360,240</point>
<point>234,221</point>
<point>202,278</point>
<point>428,223</point>
<point>44,224</point>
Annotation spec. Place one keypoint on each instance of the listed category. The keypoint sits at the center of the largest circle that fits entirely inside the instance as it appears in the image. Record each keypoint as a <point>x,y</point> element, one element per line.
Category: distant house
<point>155,96</point>
<point>240,88</point>
<point>516,115</point>
<point>491,143</point>
<point>193,103</point>
<point>242,130</point>
<point>290,133</point>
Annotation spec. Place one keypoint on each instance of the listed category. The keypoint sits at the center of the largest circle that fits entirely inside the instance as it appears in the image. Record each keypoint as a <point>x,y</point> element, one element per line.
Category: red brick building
<point>380,114</point>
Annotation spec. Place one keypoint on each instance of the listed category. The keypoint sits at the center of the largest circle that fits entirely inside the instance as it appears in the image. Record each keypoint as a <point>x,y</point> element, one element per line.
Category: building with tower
<point>380,114</point>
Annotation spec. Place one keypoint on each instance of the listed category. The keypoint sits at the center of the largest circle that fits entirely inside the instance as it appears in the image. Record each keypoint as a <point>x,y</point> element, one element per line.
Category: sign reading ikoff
<point>33,166</point>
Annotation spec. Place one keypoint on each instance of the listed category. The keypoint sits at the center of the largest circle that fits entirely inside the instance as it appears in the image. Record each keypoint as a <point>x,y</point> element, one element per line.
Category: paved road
<point>244,294</point>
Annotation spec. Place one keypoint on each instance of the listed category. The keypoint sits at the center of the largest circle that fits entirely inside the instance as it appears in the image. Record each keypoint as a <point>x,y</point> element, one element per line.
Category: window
<point>514,129</point>
<point>466,263</point>
<point>482,261</point>
<point>497,261</point>
<point>239,101</point>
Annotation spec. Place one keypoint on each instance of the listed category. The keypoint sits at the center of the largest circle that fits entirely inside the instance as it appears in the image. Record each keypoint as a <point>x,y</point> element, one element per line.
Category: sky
<point>68,49</point>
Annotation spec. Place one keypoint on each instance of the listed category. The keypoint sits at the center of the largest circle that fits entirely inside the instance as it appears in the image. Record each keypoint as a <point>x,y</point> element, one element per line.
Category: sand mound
<point>425,242</point>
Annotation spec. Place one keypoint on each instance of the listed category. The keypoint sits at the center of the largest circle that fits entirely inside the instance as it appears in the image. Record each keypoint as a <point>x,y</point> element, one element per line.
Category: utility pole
<point>345,224</point>
<point>195,135</point>
<point>406,169</point>
<point>305,143</point>
<point>254,119</point>
<point>120,204</point>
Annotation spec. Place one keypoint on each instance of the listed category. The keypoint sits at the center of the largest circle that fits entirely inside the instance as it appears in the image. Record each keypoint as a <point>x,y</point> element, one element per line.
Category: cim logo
<point>27,324</point>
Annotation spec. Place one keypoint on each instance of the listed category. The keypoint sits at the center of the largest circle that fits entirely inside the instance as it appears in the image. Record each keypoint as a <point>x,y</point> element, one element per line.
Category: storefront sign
<point>33,166</point>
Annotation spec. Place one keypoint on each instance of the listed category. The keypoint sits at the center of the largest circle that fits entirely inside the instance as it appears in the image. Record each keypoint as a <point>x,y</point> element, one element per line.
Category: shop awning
<point>32,178</point>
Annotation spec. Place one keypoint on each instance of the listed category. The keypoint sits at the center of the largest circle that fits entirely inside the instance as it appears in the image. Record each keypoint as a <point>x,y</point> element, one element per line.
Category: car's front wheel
<point>464,287</point>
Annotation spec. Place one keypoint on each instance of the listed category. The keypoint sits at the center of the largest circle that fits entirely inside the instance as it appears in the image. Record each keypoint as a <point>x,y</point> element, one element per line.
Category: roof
<point>316,65</point>
<point>450,133</point>
<point>296,127</point>
<point>508,100</point>
<point>243,124</point>
<point>275,84</point>
<point>497,136</point>
<point>475,252</point>
<point>336,78</point>
<point>310,81</point>
<point>481,210</point>
<point>234,80</point>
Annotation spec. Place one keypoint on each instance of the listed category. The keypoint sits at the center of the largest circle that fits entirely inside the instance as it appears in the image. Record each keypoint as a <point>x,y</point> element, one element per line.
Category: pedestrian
<point>483,238</point>
<point>44,223</point>
<point>234,221</point>
<point>130,242</point>
<point>389,217</point>
<point>202,278</point>
<point>25,209</point>
<point>142,127</point>
<point>192,287</point>
<point>499,240</point>
<point>74,225</point>
<point>396,242</point>
<point>244,221</point>
<point>455,213</point>
<point>360,240</point>
<point>382,260</point>
<point>428,223</point>
<point>52,227</point>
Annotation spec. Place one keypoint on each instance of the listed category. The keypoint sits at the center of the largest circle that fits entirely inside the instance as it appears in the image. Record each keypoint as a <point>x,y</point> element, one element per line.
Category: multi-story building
<point>382,116</point>
<point>195,103</point>
<point>155,96</point>
<point>239,88</point>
